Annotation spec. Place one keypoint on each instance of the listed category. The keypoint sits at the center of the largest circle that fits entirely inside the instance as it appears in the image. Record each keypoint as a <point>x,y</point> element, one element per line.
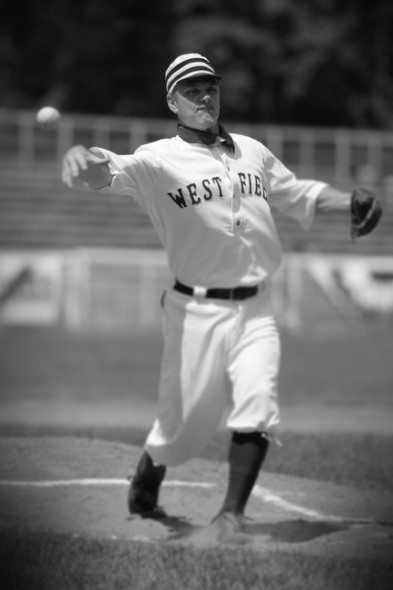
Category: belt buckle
<point>200,291</point>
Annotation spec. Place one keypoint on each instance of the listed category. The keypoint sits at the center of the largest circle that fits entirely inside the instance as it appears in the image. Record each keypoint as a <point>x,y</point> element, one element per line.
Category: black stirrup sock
<point>247,452</point>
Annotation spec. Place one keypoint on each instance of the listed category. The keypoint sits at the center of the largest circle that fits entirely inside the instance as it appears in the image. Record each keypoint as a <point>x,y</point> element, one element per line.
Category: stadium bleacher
<point>38,211</point>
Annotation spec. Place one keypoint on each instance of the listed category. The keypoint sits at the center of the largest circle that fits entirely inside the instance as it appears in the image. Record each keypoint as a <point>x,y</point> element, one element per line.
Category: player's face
<point>196,103</point>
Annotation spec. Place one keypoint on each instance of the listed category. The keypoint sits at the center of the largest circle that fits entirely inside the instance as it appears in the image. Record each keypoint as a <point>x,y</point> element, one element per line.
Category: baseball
<point>48,117</point>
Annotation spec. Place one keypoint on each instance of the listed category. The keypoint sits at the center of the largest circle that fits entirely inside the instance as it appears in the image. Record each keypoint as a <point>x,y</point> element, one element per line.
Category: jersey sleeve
<point>291,196</point>
<point>132,174</point>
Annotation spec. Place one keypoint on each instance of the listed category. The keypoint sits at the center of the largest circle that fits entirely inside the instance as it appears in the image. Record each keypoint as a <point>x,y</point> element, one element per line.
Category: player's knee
<point>256,437</point>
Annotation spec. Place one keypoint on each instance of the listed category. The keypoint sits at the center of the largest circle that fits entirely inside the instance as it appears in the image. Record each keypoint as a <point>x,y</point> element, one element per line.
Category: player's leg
<point>192,394</point>
<point>253,369</point>
<point>247,452</point>
<point>193,390</point>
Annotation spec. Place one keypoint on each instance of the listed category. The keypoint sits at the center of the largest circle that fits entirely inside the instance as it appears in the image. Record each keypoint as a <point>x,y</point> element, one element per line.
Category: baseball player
<point>209,195</point>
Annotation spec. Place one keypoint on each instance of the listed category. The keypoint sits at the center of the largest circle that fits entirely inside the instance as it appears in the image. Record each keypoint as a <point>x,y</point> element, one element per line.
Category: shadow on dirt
<point>294,531</point>
<point>180,528</point>
<point>289,531</point>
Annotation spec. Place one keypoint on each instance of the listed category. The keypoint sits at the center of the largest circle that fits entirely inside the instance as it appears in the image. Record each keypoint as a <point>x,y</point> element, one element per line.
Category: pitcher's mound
<point>79,486</point>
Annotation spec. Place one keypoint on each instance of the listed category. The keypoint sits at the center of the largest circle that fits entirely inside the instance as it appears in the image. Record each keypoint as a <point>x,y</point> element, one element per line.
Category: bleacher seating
<point>39,212</point>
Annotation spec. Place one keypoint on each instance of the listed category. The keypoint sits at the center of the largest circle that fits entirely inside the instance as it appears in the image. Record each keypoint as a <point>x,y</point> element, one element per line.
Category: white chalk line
<point>267,496</point>
<point>97,482</point>
<point>261,493</point>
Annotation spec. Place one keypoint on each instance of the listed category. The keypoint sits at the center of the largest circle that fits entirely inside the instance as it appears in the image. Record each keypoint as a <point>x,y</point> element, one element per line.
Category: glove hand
<point>366,211</point>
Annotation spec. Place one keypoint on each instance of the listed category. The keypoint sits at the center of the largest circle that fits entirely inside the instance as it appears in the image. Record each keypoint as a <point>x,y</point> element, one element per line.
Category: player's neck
<point>207,137</point>
<point>212,131</point>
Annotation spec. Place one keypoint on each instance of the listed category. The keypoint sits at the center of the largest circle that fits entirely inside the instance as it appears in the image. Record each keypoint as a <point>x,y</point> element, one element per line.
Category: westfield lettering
<point>208,188</point>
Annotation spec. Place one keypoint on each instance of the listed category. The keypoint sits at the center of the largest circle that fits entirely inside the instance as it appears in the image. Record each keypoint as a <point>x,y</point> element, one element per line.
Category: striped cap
<point>189,65</point>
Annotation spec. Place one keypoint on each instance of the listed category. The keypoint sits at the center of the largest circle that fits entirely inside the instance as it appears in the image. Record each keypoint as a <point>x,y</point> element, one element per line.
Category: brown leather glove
<point>366,211</point>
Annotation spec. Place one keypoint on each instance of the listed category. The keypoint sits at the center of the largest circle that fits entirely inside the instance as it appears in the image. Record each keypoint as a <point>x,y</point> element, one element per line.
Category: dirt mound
<point>79,486</point>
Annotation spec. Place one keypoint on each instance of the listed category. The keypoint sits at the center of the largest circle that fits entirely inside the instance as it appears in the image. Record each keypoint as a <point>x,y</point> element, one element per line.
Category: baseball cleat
<point>142,500</point>
<point>224,528</point>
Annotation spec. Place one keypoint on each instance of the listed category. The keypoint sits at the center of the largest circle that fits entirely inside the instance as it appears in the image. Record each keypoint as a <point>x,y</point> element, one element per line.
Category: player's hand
<point>79,163</point>
<point>366,211</point>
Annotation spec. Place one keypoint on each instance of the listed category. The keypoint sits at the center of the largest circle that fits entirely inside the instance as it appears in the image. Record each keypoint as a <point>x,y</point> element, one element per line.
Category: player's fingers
<point>71,170</point>
<point>74,161</point>
<point>77,160</point>
<point>82,158</point>
<point>66,176</point>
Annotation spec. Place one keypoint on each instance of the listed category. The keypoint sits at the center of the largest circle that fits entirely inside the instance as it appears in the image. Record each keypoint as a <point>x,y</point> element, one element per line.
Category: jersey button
<point>238,222</point>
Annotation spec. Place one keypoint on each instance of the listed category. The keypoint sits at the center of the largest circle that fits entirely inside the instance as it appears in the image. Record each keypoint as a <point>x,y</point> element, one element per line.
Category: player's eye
<point>192,91</point>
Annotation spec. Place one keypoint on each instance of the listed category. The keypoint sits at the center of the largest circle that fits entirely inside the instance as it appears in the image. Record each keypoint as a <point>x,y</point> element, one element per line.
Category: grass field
<point>349,371</point>
<point>107,565</point>
<point>355,368</point>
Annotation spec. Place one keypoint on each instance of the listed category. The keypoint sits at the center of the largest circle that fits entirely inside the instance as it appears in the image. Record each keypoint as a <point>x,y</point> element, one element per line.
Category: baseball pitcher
<point>209,195</point>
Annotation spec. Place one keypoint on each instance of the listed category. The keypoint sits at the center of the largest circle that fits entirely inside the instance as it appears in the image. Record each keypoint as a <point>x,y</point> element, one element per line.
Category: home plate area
<point>79,486</point>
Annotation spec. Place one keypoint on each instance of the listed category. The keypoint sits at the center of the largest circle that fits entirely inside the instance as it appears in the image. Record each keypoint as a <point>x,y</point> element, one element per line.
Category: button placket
<point>238,222</point>
<point>233,203</point>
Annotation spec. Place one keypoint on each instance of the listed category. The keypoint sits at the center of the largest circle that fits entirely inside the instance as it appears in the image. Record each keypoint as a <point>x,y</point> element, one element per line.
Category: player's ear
<point>172,104</point>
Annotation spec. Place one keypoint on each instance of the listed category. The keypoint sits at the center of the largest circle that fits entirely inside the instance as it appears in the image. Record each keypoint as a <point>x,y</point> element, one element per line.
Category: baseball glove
<point>366,211</point>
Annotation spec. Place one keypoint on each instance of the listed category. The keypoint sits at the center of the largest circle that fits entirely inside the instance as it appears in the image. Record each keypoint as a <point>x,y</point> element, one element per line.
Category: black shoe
<point>142,500</point>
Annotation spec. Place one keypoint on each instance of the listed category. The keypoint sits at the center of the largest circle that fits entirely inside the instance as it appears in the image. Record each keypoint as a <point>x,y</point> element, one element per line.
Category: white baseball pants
<point>216,354</point>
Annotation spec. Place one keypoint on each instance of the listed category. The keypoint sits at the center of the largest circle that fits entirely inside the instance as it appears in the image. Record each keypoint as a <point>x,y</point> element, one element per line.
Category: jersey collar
<point>206,137</point>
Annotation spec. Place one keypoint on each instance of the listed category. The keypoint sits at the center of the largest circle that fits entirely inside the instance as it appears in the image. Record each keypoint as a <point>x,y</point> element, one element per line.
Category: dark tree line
<point>313,62</point>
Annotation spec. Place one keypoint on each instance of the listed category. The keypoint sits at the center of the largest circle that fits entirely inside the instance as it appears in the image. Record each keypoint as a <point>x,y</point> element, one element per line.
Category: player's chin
<point>207,119</point>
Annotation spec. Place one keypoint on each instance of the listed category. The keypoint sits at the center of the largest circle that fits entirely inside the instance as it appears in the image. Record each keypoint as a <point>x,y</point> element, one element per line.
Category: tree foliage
<point>317,62</point>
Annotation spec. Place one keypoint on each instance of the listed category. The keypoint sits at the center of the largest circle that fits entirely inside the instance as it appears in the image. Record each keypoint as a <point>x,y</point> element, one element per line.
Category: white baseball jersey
<point>211,207</point>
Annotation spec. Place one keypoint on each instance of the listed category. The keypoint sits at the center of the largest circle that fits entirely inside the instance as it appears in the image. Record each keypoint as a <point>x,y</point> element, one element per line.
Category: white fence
<point>119,290</point>
<point>337,154</point>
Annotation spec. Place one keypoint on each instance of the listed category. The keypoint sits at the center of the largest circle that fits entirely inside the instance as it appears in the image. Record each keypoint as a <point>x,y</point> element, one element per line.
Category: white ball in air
<point>48,117</point>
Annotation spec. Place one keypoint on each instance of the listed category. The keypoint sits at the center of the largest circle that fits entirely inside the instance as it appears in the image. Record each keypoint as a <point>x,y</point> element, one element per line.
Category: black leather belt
<point>236,294</point>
